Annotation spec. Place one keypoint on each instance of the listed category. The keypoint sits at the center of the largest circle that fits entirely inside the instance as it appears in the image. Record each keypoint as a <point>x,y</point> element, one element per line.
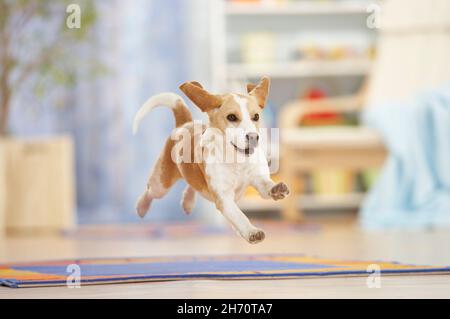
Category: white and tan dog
<point>233,117</point>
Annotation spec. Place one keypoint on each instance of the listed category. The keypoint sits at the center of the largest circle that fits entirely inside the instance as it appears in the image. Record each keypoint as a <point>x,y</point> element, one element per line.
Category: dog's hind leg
<point>188,200</point>
<point>158,186</point>
<point>163,176</point>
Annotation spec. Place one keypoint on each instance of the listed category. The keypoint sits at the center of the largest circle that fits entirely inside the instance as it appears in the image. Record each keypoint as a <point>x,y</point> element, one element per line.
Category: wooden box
<point>37,191</point>
<point>2,192</point>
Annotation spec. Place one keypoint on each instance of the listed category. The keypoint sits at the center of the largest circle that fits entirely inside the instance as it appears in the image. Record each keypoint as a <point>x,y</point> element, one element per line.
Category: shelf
<point>299,8</point>
<point>300,69</point>
<point>358,137</point>
<point>352,200</point>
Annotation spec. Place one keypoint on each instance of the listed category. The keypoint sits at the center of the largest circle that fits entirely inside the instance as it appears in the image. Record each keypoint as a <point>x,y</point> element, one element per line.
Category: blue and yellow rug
<point>124,270</point>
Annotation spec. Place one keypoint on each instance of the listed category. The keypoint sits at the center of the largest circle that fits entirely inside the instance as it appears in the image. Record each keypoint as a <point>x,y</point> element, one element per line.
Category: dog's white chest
<point>229,178</point>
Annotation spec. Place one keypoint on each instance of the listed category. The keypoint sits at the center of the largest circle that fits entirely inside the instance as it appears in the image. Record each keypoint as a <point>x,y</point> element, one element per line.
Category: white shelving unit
<point>263,16</point>
<point>291,21</point>
<point>301,69</point>
<point>306,7</point>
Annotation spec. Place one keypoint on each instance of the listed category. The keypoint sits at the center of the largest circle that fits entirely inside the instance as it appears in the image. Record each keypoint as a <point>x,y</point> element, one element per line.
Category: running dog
<point>231,160</point>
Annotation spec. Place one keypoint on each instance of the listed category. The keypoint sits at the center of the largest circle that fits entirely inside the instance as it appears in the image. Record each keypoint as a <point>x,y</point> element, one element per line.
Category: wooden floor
<point>332,241</point>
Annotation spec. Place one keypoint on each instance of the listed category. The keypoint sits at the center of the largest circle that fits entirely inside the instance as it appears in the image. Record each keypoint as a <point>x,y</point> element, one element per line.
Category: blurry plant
<point>37,47</point>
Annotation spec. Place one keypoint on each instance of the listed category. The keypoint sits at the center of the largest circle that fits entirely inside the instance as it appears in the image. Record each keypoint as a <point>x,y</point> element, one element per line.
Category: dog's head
<point>237,116</point>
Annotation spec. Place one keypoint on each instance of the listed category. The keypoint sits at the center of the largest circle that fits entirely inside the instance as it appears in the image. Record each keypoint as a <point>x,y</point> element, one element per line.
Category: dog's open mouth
<point>247,151</point>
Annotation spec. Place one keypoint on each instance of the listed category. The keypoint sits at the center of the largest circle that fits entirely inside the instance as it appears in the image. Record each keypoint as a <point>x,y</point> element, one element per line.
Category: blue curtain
<point>142,46</point>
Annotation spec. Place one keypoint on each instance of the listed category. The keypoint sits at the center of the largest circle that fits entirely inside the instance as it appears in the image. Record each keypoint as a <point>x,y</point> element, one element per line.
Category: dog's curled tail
<point>174,101</point>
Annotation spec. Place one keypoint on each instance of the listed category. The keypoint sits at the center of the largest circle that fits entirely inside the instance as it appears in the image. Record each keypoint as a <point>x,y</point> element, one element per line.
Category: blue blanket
<point>413,189</point>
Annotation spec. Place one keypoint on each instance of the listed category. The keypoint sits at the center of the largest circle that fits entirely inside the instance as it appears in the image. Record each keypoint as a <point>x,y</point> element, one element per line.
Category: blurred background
<point>360,91</point>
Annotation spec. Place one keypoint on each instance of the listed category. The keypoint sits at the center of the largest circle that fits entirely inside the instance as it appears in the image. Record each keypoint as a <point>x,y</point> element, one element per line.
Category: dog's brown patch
<point>194,171</point>
<point>218,117</point>
<point>165,167</point>
<point>181,113</point>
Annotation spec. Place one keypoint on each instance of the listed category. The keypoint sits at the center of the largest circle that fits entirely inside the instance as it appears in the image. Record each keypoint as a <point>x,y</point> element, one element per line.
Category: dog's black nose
<point>252,138</point>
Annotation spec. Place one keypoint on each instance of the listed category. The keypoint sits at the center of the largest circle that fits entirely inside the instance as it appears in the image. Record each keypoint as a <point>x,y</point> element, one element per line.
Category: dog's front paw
<point>279,191</point>
<point>255,236</point>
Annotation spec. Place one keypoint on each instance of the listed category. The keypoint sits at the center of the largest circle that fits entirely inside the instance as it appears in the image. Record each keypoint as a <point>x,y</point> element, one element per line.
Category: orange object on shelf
<point>320,118</point>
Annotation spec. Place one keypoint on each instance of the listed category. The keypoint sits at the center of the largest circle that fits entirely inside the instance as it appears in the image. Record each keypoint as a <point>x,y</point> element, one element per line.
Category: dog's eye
<point>256,117</point>
<point>232,118</point>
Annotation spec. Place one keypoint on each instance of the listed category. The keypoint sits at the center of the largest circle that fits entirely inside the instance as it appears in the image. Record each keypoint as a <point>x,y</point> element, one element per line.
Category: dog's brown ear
<point>260,91</point>
<point>197,84</point>
<point>250,87</point>
<point>202,98</point>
